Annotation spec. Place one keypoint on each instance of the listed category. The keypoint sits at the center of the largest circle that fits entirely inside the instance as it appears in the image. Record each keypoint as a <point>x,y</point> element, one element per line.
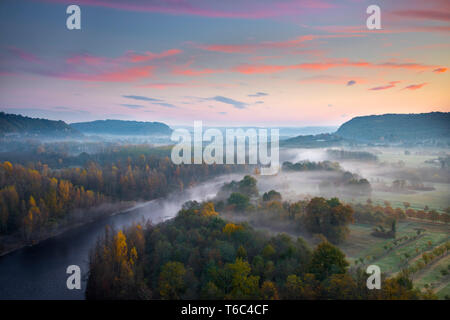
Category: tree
<point>326,261</point>
<point>230,228</point>
<point>341,287</point>
<point>293,287</point>
<point>248,187</point>
<point>243,285</point>
<point>208,210</point>
<point>269,291</point>
<point>271,195</point>
<point>171,280</point>
<point>328,217</point>
<point>241,252</point>
<point>239,200</point>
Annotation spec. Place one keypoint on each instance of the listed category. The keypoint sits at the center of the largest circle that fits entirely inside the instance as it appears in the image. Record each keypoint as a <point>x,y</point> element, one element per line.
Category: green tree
<point>326,261</point>
<point>239,200</point>
<point>171,280</point>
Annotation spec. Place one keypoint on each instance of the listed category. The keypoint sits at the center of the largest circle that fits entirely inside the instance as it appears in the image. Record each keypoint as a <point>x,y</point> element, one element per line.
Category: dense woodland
<point>36,197</point>
<point>20,125</point>
<point>199,255</point>
<point>430,127</point>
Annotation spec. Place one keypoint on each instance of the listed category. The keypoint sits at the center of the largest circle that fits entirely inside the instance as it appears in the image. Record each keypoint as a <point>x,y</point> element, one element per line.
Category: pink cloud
<point>261,68</point>
<point>423,14</point>
<point>130,56</point>
<point>362,29</point>
<point>26,56</point>
<point>391,84</point>
<point>250,9</point>
<point>194,72</point>
<point>162,85</point>
<point>324,79</point>
<point>86,59</point>
<point>440,70</point>
<point>415,86</point>
<point>136,57</point>
<point>125,75</point>
<point>249,48</point>
<point>411,66</point>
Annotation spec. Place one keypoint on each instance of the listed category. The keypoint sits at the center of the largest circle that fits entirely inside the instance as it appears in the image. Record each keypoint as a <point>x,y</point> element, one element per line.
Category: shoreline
<point>17,243</point>
<point>99,213</point>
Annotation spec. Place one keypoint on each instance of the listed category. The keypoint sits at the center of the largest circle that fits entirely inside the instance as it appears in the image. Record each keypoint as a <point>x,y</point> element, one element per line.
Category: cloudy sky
<point>233,62</point>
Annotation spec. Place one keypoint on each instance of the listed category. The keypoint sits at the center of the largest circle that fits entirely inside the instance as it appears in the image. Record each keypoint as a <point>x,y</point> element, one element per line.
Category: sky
<point>234,62</point>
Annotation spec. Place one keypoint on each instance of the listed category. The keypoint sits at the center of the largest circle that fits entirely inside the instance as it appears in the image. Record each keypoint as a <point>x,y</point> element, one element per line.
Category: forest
<point>35,198</point>
<point>200,255</point>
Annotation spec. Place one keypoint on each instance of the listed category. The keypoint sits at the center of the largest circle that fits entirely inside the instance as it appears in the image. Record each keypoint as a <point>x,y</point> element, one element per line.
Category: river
<point>39,272</point>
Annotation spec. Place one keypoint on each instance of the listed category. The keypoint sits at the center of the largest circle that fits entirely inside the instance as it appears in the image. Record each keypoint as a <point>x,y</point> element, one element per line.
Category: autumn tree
<point>171,280</point>
<point>327,260</point>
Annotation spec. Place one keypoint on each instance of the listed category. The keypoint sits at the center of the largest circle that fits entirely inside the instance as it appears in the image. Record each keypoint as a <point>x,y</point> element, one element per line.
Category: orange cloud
<point>351,30</point>
<point>412,66</point>
<point>126,75</point>
<point>162,85</point>
<point>193,72</point>
<point>324,79</point>
<point>264,68</point>
<point>259,68</point>
<point>440,70</point>
<point>136,57</point>
<point>415,86</point>
<point>86,59</point>
<point>248,48</point>
<point>130,56</point>
<point>424,14</point>
<point>391,84</point>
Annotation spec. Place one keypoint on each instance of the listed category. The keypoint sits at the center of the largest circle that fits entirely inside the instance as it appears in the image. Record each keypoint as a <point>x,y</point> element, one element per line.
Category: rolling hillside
<point>397,127</point>
<point>13,124</point>
<point>121,127</point>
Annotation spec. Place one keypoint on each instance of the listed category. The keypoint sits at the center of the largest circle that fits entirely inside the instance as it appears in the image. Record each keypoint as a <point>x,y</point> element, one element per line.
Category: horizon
<point>262,63</point>
<point>223,126</point>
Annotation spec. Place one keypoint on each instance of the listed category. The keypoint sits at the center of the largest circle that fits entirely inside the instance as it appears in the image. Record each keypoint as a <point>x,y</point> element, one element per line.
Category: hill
<point>13,124</point>
<point>397,127</point>
<point>324,140</point>
<point>121,127</point>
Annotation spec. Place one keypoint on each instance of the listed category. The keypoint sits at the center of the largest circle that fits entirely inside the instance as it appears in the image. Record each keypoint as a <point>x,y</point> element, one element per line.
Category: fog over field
<point>392,164</point>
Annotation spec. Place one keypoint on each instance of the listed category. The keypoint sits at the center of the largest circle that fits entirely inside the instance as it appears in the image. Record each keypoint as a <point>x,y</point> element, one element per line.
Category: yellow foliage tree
<point>208,210</point>
<point>231,228</point>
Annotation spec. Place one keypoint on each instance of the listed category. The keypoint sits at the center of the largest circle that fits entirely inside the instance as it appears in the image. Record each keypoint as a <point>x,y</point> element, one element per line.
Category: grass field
<point>437,199</point>
<point>432,276</point>
<point>414,160</point>
<point>444,292</point>
<point>361,244</point>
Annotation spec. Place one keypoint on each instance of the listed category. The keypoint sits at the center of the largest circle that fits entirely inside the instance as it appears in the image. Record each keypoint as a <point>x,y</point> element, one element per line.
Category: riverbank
<point>13,242</point>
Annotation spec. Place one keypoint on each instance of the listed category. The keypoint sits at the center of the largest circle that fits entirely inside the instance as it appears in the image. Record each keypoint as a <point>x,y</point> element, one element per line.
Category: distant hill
<point>13,124</point>
<point>313,141</point>
<point>121,127</point>
<point>397,127</point>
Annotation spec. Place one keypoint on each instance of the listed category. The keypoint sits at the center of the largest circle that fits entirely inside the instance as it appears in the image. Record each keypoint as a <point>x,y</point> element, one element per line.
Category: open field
<point>444,292</point>
<point>415,159</point>
<point>436,199</point>
<point>432,276</point>
<point>361,244</point>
